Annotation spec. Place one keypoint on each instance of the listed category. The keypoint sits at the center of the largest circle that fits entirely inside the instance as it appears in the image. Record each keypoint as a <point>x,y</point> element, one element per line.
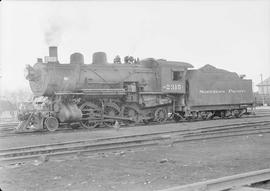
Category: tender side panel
<point>210,88</point>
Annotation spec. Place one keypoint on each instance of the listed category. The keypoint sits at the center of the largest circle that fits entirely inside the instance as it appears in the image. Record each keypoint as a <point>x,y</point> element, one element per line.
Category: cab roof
<point>151,62</point>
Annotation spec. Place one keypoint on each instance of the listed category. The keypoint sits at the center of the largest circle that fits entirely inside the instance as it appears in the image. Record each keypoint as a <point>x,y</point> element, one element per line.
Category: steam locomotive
<point>148,90</point>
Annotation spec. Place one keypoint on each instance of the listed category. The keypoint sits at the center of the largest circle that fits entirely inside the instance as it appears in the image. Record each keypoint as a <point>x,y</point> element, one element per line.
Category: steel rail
<point>172,139</point>
<point>265,114</point>
<point>226,183</point>
<point>182,132</point>
<point>128,143</point>
<point>9,124</point>
<point>10,132</point>
<point>111,148</point>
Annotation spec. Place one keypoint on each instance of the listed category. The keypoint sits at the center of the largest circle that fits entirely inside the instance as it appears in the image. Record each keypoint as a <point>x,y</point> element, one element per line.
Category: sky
<point>232,35</point>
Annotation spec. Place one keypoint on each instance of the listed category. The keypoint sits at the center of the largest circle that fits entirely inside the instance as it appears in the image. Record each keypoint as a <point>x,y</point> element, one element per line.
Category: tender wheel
<point>203,115</point>
<point>131,112</point>
<point>111,109</point>
<point>236,113</point>
<point>51,123</point>
<point>91,115</point>
<point>222,114</point>
<point>161,115</point>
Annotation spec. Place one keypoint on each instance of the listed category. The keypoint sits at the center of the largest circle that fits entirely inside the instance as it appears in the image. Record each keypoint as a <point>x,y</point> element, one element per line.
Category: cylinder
<point>76,58</point>
<point>53,52</point>
<point>99,58</point>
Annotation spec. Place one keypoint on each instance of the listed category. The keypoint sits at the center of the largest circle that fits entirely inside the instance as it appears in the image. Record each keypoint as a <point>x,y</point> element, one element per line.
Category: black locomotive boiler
<point>102,93</point>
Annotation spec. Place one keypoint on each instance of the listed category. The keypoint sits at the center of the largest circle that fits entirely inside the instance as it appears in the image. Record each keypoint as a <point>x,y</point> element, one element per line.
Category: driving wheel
<point>91,115</point>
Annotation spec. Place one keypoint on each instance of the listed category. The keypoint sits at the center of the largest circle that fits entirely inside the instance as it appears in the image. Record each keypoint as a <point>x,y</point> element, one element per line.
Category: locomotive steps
<point>81,147</point>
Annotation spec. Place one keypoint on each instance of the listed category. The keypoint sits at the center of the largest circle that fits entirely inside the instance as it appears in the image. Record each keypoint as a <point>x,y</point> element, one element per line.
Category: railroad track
<point>19,154</point>
<point>237,182</point>
<point>8,129</point>
<point>9,124</point>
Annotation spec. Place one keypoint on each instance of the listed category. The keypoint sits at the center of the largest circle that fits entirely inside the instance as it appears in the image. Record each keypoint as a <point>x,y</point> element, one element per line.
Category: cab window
<point>177,75</point>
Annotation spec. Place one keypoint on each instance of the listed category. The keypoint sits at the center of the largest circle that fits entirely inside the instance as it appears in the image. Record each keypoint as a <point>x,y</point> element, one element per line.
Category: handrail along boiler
<point>102,93</point>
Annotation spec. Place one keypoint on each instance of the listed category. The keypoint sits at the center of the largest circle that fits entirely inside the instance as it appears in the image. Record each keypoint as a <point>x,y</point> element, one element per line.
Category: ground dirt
<point>151,168</point>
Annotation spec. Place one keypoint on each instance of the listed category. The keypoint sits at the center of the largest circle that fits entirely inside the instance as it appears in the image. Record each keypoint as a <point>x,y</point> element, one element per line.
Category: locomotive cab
<point>173,81</point>
<point>173,75</point>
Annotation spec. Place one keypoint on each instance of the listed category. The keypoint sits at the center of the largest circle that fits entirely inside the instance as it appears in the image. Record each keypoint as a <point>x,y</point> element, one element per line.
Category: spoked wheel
<point>161,115</point>
<point>51,123</point>
<point>222,114</point>
<point>131,112</point>
<point>90,114</point>
<point>203,115</point>
<point>236,113</point>
<point>111,109</point>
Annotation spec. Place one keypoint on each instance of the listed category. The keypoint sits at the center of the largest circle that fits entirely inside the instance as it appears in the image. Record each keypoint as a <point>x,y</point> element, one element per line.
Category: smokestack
<point>53,52</point>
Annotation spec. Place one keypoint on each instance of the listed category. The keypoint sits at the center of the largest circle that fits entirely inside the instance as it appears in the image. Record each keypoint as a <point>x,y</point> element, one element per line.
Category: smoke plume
<point>53,33</point>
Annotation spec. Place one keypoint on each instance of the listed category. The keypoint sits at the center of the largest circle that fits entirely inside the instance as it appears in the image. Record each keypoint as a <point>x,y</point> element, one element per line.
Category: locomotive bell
<point>76,58</point>
<point>99,58</point>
